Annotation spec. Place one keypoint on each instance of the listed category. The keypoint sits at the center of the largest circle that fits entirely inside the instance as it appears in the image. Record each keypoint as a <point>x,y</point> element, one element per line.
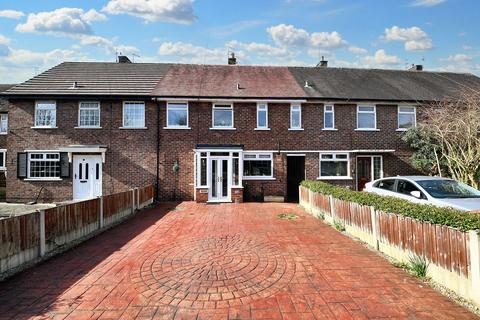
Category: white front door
<point>87,176</point>
<point>219,181</point>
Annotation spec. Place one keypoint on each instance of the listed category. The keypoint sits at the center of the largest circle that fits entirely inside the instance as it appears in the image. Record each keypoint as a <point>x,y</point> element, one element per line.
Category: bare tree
<point>454,125</point>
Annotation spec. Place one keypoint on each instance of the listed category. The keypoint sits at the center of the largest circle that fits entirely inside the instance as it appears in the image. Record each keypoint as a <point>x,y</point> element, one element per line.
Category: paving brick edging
<point>453,256</point>
<point>44,249</point>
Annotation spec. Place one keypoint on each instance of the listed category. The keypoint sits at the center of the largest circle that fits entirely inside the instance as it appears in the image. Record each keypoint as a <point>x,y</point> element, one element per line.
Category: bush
<point>444,216</point>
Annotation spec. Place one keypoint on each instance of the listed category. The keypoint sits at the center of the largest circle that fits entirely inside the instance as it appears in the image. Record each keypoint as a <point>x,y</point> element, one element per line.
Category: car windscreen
<point>448,189</point>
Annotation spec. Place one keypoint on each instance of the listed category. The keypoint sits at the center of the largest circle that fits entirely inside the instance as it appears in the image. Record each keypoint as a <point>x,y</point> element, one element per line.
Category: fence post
<point>101,212</point>
<point>138,198</point>
<point>374,228</point>
<point>42,233</point>
<point>475,264</point>
<point>133,201</point>
<point>332,207</point>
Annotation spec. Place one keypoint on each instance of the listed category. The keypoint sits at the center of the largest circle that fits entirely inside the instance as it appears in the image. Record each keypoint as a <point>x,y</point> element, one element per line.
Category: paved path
<point>218,262</point>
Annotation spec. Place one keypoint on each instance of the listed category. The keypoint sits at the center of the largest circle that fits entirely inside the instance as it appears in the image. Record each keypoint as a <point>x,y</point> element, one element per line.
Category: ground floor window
<point>3,159</point>
<point>334,165</point>
<point>257,165</point>
<point>44,165</point>
<point>202,170</point>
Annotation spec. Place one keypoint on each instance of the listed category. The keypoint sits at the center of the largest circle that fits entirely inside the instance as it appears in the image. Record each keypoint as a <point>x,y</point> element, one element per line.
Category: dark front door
<point>364,172</point>
<point>295,175</point>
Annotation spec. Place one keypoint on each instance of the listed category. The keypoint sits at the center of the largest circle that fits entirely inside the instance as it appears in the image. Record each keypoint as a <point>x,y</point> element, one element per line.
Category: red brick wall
<point>130,157</point>
<point>131,154</point>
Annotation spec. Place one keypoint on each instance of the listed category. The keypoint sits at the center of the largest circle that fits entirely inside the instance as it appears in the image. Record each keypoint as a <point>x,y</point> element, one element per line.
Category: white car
<point>437,191</point>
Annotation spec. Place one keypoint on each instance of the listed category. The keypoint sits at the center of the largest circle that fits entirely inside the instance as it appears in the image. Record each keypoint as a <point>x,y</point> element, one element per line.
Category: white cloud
<point>289,36</point>
<point>174,11</point>
<point>414,38</point>
<point>460,57</point>
<point>11,14</point>
<point>63,21</point>
<point>259,48</point>
<point>381,58</point>
<point>467,47</point>
<point>357,50</point>
<point>426,3</point>
<point>187,52</point>
<point>4,49</point>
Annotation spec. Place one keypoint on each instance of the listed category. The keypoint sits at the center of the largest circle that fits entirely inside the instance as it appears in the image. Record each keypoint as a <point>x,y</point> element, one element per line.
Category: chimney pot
<point>323,63</point>
<point>231,59</point>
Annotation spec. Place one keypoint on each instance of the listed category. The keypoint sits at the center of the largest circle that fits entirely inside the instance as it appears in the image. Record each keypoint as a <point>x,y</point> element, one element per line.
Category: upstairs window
<point>134,115</point>
<point>295,117</point>
<point>334,165</point>
<point>3,123</point>
<point>45,114</point>
<point>328,117</point>
<point>43,165</point>
<point>89,115</point>
<point>366,118</point>
<point>222,116</point>
<point>262,116</point>
<point>407,117</point>
<point>177,115</point>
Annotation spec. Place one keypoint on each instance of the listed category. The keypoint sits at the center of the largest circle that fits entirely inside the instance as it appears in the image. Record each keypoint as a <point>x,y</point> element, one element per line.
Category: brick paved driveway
<point>218,262</point>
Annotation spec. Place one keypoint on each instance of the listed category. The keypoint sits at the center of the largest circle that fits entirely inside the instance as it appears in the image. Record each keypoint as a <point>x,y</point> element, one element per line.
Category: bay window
<point>334,166</point>
<point>257,166</point>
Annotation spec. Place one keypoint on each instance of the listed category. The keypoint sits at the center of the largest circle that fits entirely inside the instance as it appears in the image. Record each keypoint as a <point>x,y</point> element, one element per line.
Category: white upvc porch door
<point>87,176</point>
<point>220,178</point>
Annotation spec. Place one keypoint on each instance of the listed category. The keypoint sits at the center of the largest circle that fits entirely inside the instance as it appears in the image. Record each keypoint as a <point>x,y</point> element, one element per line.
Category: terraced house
<point>210,132</point>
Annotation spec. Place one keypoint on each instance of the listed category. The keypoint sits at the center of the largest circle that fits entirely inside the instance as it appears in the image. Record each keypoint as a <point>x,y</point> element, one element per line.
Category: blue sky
<point>441,34</point>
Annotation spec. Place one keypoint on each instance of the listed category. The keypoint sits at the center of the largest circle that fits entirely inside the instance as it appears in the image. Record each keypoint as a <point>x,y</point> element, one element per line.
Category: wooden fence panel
<point>304,194</point>
<point>145,193</point>
<point>321,202</point>
<point>360,216</point>
<point>19,233</point>
<point>116,203</point>
<point>65,219</point>
<point>342,210</point>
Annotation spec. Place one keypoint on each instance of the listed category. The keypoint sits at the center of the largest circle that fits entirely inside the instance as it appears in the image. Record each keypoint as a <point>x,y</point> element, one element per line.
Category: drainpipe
<point>157,184</point>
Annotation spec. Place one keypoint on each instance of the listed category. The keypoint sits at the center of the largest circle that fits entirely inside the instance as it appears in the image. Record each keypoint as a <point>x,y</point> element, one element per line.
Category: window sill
<point>3,168</point>
<point>3,133</point>
<point>329,129</point>
<point>366,129</point>
<point>43,179</point>
<point>295,129</point>
<point>334,178</point>
<point>133,128</point>
<point>44,128</point>
<point>259,178</point>
<point>401,130</point>
<point>262,129</point>
<point>177,128</point>
<point>220,128</point>
<point>88,128</point>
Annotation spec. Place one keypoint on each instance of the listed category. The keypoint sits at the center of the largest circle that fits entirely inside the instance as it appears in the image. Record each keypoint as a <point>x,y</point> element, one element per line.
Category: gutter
<point>157,181</point>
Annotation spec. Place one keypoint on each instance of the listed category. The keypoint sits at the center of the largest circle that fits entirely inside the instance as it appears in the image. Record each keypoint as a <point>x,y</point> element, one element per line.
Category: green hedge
<point>444,216</point>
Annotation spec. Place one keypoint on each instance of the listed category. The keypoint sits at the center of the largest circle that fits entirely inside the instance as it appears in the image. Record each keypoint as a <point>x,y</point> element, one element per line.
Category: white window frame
<point>325,111</point>
<point>334,159</point>
<point>409,113</point>
<point>89,108</point>
<point>4,120</point>
<point>171,105</point>
<point>222,106</point>
<point>51,126</point>
<point>29,160</point>
<point>298,108</point>
<point>258,156</point>
<point>263,106</point>
<point>374,112</point>
<point>3,153</point>
<point>123,115</point>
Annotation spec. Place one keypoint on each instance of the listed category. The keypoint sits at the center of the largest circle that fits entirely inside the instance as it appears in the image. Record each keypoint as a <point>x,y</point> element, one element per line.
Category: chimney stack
<point>323,63</point>
<point>123,59</point>
<point>416,67</point>
<point>232,60</point>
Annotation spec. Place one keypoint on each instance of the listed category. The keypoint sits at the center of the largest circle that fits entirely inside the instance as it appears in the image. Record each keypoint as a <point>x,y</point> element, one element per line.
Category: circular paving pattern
<point>213,272</point>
